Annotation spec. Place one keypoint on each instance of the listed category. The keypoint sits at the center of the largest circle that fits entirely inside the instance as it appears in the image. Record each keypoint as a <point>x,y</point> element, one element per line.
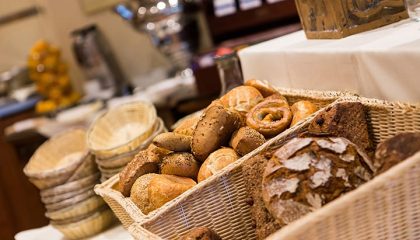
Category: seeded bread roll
<point>263,87</point>
<point>307,173</point>
<point>245,140</point>
<point>395,150</point>
<point>241,99</point>
<point>213,130</point>
<point>302,110</point>
<point>139,193</point>
<point>187,126</point>
<point>216,161</point>
<point>180,164</point>
<point>201,233</point>
<point>143,163</point>
<point>173,142</point>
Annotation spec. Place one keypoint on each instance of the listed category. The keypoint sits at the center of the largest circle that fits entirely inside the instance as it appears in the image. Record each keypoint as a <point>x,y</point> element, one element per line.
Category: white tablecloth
<point>50,233</point>
<point>383,63</point>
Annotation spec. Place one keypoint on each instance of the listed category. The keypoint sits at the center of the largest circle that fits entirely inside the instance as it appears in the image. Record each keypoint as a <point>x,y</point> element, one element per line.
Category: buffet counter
<point>381,63</point>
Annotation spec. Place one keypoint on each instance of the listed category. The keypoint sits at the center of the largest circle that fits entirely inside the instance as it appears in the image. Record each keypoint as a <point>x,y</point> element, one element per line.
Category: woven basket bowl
<point>128,212</point>
<point>71,186</point>
<point>87,227</point>
<point>121,160</point>
<point>79,209</point>
<point>55,161</point>
<point>70,201</point>
<point>220,201</point>
<point>121,129</point>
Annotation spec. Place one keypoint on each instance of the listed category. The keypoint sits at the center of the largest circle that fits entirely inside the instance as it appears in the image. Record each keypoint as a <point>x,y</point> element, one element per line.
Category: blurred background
<point>62,62</point>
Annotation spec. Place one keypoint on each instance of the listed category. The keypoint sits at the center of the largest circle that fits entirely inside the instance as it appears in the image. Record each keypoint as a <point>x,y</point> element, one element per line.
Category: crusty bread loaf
<point>180,164</point>
<point>246,139</point>
<point>307,173</point>
<point>143,163</point>
<point>216,161</point>
<point>173,142</point>
<point>201,233</point>
<point>241,99</point>
<point>396,149</point>
<point>213,130</point>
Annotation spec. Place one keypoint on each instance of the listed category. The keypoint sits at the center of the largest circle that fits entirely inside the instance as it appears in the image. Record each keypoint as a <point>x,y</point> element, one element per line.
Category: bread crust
<point>180,164</point>
<point>246,139</point>
<point>302,110</point>
<point>216,161</point>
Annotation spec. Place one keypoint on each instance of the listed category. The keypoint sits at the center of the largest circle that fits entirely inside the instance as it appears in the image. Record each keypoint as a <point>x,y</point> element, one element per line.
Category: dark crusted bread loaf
<point>307,173</point>
<point>252,171</point>
<point>396,149</point>
<point>347,120</point>
<point>201,233</point>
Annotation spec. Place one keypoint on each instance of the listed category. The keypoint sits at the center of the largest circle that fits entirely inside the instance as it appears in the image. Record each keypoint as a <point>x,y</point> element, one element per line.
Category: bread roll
<point>201,233</point>
<point>158,151</point>
<point>396,149</point>
<point>213,130</point>
<point>180,164</point>
<point>163,188</point>
<point>140,193</point>
<point>187,126</point>
<point>241,99</point>
<point>271,116</point>
<point>142,163</point>
<point>216,161</point>
<point>263,87</point>
<point>307,173</point>
<point>173,141</point>
<point>302,110</point>
<point>245,140</point>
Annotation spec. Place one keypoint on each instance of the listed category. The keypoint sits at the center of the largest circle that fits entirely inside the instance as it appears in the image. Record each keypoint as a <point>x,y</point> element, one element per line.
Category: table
<point>383,63</point>
<point>48,232</point>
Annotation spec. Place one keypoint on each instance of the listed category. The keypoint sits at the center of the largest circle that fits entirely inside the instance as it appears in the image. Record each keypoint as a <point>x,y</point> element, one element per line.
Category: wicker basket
<point>220,203</point>
<point>129,213</point>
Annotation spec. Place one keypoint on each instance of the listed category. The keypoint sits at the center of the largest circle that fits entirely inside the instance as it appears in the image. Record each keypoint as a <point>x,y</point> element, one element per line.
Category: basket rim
<point>349,197</point>
<point>56,172</point>
<point>92,126</point>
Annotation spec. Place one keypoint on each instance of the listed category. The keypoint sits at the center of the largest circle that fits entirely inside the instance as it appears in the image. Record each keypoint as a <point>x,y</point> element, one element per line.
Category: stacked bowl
<point>121,132</point>
<point>65,172</point>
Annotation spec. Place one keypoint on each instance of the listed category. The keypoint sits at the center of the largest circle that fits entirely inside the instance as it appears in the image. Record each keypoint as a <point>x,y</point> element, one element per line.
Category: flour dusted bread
<point>201,233</point>
<point>396,149</point>
<point>216,161</point>
<point>143,163</point>
<point>180,164</point>
<point>245,140</point>
<point>241,99</point>
<point>213,130</point>
<point>307,173</point>
<point>151,191</point>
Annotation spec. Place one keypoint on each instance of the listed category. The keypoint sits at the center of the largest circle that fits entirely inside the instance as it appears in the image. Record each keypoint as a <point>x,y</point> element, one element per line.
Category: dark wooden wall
<point>20,205</point>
